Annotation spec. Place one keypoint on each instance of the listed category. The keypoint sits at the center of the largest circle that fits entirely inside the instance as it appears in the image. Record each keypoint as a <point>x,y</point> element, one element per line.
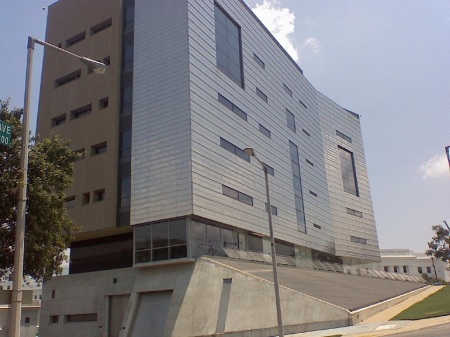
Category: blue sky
<point>387,60</point>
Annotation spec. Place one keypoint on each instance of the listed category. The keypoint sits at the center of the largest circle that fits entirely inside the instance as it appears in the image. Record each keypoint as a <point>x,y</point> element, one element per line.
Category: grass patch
<point>435,305</point>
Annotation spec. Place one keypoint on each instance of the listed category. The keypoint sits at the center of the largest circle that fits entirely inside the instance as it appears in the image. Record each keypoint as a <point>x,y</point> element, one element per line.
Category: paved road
<point>442,330</point>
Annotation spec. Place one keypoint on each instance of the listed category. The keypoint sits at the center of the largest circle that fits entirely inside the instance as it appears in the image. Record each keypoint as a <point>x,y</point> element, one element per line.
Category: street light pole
<point>434,267</point>
<point>16,301</point>
<point>251,152</point>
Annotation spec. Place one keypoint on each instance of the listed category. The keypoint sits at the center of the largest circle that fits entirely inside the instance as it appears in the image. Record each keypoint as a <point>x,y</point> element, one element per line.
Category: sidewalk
<point>379,324</point>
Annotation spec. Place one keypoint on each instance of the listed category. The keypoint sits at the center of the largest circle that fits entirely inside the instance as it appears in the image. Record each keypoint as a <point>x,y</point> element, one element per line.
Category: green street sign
<point>5,133</point>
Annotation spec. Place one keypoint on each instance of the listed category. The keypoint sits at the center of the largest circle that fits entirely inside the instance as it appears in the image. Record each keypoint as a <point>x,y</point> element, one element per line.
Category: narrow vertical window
<point>290,119</point>
<point>297,182</point>
<point>348,171</point>
<point>228,46</point>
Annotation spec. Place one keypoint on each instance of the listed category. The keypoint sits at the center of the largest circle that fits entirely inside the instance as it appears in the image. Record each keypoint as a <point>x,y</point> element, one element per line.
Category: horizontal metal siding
<point>161,170</point>
<point>214,166</point>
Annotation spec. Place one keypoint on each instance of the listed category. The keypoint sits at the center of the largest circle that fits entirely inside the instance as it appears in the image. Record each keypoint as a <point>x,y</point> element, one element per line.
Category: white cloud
<point>313,44</point>
<point>279,21</point>
<point>435,167</point>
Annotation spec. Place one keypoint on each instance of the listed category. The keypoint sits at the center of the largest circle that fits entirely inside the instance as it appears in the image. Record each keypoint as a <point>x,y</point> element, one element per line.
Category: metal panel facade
<point>178,164</point>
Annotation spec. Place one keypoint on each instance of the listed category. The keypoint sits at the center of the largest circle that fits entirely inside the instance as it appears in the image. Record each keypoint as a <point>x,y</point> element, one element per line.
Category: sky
<point>387,60</point>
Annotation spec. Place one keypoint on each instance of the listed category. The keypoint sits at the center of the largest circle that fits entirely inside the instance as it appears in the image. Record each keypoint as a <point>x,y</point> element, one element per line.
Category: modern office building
<point>163,179</point>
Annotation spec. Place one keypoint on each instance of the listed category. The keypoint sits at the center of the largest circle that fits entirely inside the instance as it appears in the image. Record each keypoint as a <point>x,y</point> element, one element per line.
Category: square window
<point>70,202</point>
<point>98,148</point>
<point>86,198</point>
<point>103,103</point>
<point>99,195</point>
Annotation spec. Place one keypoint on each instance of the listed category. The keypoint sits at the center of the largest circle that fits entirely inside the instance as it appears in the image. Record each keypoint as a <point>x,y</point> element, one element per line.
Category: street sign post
<point>5,133</point>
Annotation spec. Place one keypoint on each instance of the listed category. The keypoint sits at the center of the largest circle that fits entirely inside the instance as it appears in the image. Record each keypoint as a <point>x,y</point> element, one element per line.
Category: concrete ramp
<point>212,296</point>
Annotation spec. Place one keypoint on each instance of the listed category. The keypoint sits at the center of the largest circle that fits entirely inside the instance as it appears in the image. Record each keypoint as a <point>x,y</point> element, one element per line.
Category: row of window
<point>98,195</point>
<point>77,318</point>
<point>354,212</point>
<point>96,149</point>
<point>396,269</point>
<point>126,111</point>
<point>356,239</point>
<point>94,30</point>
<point>76,74</point>
<point>79,112</point>
<point>343,136</point>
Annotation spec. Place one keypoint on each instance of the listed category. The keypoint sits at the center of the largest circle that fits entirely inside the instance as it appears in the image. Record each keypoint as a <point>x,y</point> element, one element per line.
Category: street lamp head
<point>249,151</point>
<point>96,66</point>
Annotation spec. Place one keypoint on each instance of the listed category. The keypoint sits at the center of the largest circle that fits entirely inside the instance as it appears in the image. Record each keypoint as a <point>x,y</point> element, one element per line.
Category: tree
<point>440,244</point>
<point>48,226</point>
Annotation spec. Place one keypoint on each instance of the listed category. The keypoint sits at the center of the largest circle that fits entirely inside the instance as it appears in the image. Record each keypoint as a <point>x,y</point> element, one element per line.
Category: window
<point>98,148</point>
<point>165,240</point>
<point>284,248</point>
<point>54,319</point>
<point>81,112</point>
<point>356,239</point>
<point>128,17</point>
<point>428,270</point>
<point>264,131</point>
<point>232,107</point>
<point>127,58</point>
<point>303,104</point>
<point>125,191</point>
<point>348,171</point>
<point>103,103</point>
<point>99,195</point>
<point>317,226</point>
<point>306,132</point>
<point>27,320</point>
<point>101,26</point>
<point>207,239</point>
<point>126,102</point>
<point>70,202</point>
<point>354,212</point>
<point>234,149</point>
<point>270,170</point>
<point>125,144</point>
<point>286,88</point>
<point>405,269</point>
<point>53,293</point>
<point>59,120</point>
<point>81,318</point>
<point>228,46</point>
<point>86,198</point>
<point>81,153</point>
<point>259,61</point>
<point>298,193</point>
<point>419,270</point>
<point>274,209</point>
<point>261,95</point>
<point>75,39</point>
<point>386,269</point>
<point>290,120</point>
<point>343,136</point>
<point>395,269</point>
<point>68,78</point>
<point>232,193</point>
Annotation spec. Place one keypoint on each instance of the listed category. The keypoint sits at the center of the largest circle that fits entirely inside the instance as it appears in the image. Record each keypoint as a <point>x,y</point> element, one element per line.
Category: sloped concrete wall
<point>195,304</point>
<point>251,308</point>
